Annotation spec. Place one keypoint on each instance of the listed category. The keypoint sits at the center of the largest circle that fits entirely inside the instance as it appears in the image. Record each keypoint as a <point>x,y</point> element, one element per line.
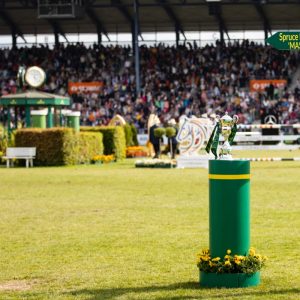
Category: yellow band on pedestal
<point>229,176</point>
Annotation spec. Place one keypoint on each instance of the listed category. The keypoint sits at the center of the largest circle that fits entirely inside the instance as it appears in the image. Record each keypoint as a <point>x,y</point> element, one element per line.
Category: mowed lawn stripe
<point>116,232</point>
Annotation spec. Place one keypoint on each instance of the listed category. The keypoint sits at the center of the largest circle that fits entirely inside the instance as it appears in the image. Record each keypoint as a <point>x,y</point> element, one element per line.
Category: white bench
<point>27,153</point>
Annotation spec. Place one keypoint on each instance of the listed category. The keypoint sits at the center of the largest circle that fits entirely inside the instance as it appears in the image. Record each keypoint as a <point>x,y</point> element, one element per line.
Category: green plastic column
<point>60,118</point>
<point>50,118</point>
<point>229,207</point>
<point>38,118</point>
<point>73,120</point>
<point>27,116</point>
<point>8,122</point>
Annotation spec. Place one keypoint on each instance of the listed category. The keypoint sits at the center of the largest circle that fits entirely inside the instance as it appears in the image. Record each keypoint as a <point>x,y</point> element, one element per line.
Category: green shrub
<point>90,144</point>
<point>119,143</point>
<point>170,132</point>
<point>159,132</point>
<point>54,146</point>
<point>128,135</point>
<point>60,146</point>
<point>134,135</point>
<point>114,141</point>
<point>3,143</point>
<point>7,142</point>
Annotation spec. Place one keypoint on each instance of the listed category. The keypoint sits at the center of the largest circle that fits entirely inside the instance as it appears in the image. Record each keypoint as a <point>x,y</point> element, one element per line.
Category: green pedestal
<point>73,120</point>
<point>237,280</point>
<point>38,119</point>
<point>229,207</point>
<point>229,219</point>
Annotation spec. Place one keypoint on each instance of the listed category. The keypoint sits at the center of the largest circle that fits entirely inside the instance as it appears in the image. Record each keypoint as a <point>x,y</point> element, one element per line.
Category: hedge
<point>130,135</point>
<point>114,141</point>
<point>90,144</point>
<point>60,146</point>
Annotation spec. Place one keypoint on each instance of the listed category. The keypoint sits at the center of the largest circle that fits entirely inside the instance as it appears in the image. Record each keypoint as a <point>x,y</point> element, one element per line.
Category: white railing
<point>265,126</point>
<point>254,140</point>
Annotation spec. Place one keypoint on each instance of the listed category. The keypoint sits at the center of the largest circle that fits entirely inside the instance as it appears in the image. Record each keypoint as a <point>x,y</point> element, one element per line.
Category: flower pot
<point>229,280</point>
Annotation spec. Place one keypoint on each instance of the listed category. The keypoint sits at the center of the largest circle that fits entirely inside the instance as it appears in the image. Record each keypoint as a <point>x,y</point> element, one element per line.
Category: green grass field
<point>116,232</point>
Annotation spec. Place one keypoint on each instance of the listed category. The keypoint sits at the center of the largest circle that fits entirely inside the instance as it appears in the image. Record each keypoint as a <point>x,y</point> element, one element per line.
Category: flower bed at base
<point>247,264</point>
<point>233,271</point>
<point>99,159</point>
<point>136,151</point>
<point>155,163</point>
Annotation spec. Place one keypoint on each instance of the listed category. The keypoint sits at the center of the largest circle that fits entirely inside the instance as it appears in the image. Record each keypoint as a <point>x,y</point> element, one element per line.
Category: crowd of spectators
<point>175,81</point>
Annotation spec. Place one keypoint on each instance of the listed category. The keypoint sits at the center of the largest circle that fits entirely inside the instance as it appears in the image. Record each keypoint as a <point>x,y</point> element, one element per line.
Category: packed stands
<point>175,80</point>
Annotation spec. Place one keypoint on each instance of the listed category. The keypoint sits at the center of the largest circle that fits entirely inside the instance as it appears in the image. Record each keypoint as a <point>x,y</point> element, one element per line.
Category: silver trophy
<point>226,127</point>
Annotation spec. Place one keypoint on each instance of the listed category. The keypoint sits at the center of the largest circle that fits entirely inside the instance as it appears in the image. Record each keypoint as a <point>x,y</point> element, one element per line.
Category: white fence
<point>254,140</point>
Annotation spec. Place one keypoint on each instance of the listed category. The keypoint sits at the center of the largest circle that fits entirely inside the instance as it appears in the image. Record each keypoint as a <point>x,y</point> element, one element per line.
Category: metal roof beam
<point>15,30</point>
<point>260,10</point>
<point>167,8</point>
<point>95,19</point>
<point>57,29</point>
<point>125,12</point>
<point>180,3</point>
<point>215,9</point>
<point>28,3</point>
<point>222,25</point>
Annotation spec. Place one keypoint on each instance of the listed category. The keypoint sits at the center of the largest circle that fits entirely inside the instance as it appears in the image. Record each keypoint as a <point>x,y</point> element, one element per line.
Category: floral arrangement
<point>103,158</point>
<point>155,163</point>
<point>248,264</point>
<point>136,151</point>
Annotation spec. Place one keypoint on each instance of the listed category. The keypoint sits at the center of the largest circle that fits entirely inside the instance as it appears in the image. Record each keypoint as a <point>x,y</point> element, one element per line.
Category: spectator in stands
<point>183,80</point>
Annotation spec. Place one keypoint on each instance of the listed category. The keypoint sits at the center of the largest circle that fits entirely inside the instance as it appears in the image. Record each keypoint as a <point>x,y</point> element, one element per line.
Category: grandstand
<point>172,80</point>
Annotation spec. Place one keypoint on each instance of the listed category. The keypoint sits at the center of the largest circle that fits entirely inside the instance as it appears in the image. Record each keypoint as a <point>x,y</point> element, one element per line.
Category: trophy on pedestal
<point>226,127</point>
<point>229,212</point>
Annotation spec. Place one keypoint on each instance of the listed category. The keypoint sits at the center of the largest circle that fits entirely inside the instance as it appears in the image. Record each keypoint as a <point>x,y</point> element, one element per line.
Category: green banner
<point>289,40</point>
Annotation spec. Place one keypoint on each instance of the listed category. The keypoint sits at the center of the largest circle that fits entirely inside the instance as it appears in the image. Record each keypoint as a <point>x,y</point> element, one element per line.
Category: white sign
<point>142,139</point>
<point>192,134</point>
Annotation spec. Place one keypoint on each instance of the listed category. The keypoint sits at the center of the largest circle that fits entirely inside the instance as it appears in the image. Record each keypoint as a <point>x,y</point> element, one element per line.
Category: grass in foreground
<point>116,232</point>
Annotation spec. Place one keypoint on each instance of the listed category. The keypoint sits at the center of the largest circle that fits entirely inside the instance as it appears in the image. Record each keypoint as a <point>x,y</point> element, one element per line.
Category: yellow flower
<point>228,251</point>
<point>240,257</point>
<point>237,259</point>
<point>227,263</point>
<point>252,251</point>
<point>227,256</point>
<point>216,259</point>
<point>205,258</point>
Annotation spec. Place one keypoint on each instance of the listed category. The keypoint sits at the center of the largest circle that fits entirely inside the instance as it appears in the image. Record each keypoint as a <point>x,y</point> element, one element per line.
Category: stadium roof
<point>20,17</point>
